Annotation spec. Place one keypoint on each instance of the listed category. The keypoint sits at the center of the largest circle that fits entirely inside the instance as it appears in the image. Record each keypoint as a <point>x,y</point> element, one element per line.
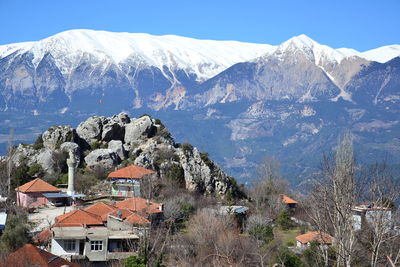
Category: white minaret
<point>71,174</point>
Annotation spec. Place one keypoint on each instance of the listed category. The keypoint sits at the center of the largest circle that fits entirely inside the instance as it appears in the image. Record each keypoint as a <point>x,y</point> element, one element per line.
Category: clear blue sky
<point>359,24</point>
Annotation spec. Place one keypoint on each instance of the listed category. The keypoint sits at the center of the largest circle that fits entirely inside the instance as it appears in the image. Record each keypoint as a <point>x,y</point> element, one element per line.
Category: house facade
<point>37,193</point>
<point>364,215</point>
<point>320,238</point>
<point>291,203</point>
<point>103,232</point>
<point>125,182</point>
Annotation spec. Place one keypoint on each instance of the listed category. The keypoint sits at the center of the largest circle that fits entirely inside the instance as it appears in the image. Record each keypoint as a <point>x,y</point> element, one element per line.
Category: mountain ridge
<point>290,102</point>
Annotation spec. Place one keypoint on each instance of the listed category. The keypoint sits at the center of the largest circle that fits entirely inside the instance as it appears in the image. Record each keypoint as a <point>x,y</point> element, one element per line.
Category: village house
<point>125,182</point>
<point>40,193</point>
<point>320,238</point>
<point>291,203</point>
<point>102,231</point>
<point>364,215</point>
<point>29,255</point>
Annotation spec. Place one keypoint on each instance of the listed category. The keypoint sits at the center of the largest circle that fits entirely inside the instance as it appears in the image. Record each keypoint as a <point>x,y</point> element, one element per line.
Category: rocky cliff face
<point>110,142</point>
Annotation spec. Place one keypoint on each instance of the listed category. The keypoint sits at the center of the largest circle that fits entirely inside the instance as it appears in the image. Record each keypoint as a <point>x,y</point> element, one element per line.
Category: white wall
<point>57,247</point>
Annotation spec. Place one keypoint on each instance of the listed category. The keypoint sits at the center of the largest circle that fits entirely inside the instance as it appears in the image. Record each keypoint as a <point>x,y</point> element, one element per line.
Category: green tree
<point>288,259</point>
<point>262,232</point>
<point>284,220</point>
<point>16,234</point>
<point>135,261</point>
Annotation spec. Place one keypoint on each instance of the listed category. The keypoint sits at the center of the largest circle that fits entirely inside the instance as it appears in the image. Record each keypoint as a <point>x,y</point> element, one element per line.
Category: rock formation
<point>101,142</point>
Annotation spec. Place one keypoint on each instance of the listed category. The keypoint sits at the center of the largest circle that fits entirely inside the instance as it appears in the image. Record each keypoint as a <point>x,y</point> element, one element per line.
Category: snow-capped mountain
<point>204,58</point>
<point>238,100</point>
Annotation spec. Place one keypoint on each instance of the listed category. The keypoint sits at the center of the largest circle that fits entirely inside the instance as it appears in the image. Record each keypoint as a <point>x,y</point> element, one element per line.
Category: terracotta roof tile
<point>137,219</point>
<point>122,213</point>
<point>29,255</point>
<point>101,209</point>
<point>78,218</point>
<point>139,204</point>
<point>43,236</point>
<point>318,237</point>
<point>132,171</point>
<point>287,200</point>
<point>37,185</point>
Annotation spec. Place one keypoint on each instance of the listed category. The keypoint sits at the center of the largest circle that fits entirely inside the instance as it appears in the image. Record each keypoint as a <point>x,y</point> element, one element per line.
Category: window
<point>96,245</point>
<point>69,245</point>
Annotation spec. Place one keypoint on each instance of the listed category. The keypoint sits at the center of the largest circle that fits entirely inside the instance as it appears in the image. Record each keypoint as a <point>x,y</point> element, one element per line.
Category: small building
<point>320,238</point>
<point>38,193</point>
<point>291,203</point>
<point>364,215</point>
<point>102,231</point>
<point>125,182</point>
<point>29,255</point>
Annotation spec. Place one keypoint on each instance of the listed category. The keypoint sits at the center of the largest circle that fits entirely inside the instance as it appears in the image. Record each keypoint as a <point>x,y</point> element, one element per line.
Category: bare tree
<point>269,184</point>
<point>380,194</point>
<point>334,195</point>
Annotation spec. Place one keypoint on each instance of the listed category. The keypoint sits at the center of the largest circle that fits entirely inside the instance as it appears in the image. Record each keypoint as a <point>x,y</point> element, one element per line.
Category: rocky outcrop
<point>143,141</point>
<point>105,158</point>
<point>117,147</point>
<point>90,130</point>
<point>139,129</point>
<point>56,135</point>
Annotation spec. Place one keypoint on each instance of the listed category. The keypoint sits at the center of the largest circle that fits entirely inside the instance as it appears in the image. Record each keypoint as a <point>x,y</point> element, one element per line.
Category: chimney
<point>71,174</point>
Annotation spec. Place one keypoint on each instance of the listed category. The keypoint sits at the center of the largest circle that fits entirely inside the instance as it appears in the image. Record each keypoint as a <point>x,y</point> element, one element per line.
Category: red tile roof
<point>137,219</point>
<point>101,209</point>
<point>287,200</point>
<point>78,218</point>
<point>29,255</point>
<point>130,216</point>
<point>37,185</point>
<point>42,237</point>
<point>139,204</point>
<point>132,171</point>
<point>318,237</point>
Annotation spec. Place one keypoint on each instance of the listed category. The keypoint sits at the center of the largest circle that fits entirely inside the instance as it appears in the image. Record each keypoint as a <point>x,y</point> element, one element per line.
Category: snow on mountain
<point>382,54</point>
<point>316,52</point>
<point>205,58</point>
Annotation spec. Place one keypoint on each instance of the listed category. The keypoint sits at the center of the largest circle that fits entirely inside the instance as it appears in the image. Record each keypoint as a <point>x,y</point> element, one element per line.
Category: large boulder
<point>117,147</point>
<point>47,159</point>
<point>91,129</point>
<point>112,130</point>
<point>56,135</point>
<point>139,129</point>
<point>23,154</point>
<point>105,158</point>
<point>122,118</point>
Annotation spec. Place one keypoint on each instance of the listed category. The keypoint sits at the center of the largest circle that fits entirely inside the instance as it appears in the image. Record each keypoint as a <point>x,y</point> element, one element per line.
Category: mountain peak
<point>301,41</point>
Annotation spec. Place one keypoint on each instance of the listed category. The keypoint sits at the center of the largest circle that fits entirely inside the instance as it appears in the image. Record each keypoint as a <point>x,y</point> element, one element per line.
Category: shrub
<point>290,244</point>
<point>135,261</point>
<point>187,148</point>
<point>284,220</point>
<point>38,143</point>
<point>262,232</point>
<point>207,161</point>
<point>96,145</point>
<point>288,258</point>
<point>62,179</point>
<point>35,170</point>
<point>176,175</point>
